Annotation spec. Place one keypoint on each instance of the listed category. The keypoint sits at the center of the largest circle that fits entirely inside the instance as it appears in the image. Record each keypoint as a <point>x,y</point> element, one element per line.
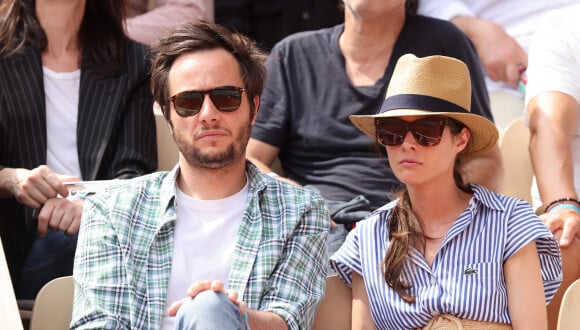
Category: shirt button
<point>306,15</point>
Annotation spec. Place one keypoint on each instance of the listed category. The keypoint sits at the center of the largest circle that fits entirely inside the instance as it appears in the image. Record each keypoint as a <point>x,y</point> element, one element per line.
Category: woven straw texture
<point>450,322</point>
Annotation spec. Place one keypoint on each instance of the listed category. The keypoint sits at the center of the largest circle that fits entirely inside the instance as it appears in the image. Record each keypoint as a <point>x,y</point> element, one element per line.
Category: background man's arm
<point>263,156</point>
<point>552,121</point>
<point>486,170</point>
<point>501,55</point>
<point>149,26</point>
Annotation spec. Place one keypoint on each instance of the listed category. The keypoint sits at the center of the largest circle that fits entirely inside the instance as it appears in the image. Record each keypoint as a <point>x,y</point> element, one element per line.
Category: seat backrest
<point>335,310</point>
<point>569,315</point>
<point>53,305</point>
<point>167,153</point>
<point>513,143</point>
<point>9,315</point>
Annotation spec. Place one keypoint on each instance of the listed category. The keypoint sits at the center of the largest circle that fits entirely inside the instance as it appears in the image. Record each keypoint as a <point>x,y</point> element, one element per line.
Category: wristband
<point>566,206</point>
<point>561,200</point>
<point>247,317</point>
<point>82,195</point>
<point>272,174</point>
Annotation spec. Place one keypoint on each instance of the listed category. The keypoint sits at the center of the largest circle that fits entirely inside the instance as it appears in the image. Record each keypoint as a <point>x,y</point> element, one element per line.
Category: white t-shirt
<point>206,233</point>
<point>554,65</point>
<point>61,91</point>
<point>519,19</point>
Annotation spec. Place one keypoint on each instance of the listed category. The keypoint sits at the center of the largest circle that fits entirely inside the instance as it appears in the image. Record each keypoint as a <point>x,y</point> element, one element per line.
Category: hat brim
<point>484,133</point>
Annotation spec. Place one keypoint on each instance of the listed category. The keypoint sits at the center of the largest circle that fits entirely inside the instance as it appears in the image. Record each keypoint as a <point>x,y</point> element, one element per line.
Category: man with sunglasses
<point>214,243</point>
<point>317,79</point>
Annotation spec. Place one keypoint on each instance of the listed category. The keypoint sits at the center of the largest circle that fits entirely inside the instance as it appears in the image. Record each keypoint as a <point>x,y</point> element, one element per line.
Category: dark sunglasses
<point>226,99</point>
<point>426,131</point>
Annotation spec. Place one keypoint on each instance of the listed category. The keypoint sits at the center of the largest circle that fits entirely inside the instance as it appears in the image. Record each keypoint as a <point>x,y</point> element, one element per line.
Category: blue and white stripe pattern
<point>466,278</point>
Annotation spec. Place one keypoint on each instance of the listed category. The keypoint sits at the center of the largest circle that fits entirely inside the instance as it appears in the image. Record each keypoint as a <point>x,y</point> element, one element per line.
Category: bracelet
<point>561,200</point>
<point>81,195</point>
<point>566,206</point>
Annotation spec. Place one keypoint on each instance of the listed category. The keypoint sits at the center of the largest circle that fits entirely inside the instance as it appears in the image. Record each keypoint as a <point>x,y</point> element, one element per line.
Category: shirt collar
<point>481,196</point>
<point>257,183</point>
<point>485,197</point>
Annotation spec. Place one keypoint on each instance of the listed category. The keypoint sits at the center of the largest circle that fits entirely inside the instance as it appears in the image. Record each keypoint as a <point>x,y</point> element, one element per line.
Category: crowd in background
<point>77,92</point>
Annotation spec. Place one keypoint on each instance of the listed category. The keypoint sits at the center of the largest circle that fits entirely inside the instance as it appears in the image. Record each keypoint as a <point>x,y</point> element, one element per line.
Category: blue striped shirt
<point>466,278</point>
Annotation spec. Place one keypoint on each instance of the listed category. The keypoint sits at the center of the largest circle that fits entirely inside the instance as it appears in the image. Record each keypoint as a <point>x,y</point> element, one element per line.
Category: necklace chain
<point>432,238</point>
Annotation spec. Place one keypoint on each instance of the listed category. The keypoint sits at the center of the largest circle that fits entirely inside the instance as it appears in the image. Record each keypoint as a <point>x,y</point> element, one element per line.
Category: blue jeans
<point>336,237</point>
<point>210,310</point>
<point>49,257</point>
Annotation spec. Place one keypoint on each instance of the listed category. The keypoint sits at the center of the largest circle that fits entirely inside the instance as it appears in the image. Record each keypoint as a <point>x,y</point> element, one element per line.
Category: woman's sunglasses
<point>226,99</point>
<point>426,131</point>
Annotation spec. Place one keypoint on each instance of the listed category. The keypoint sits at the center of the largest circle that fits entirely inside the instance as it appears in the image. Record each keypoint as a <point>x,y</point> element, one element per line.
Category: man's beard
<point>197,159</point>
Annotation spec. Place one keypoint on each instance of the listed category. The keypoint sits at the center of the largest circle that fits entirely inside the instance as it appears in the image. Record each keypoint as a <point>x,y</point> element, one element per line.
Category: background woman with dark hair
<point>74,104</point>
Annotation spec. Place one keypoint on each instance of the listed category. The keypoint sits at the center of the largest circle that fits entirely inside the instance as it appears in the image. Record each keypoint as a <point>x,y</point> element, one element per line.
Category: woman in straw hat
<point>444,252</point>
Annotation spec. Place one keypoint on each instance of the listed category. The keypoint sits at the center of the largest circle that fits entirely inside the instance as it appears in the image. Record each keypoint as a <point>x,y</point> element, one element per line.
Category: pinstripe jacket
<point>115,130</point>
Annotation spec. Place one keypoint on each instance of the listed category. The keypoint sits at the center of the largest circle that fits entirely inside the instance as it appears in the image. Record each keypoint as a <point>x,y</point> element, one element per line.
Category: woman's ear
<point>462,139</point>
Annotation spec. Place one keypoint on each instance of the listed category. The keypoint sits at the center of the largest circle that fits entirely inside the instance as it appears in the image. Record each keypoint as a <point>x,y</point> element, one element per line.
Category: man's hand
<point>60,214</point>
<point>501,55</point>
<point>565,221</point>
<point>200,286</point>
<point>35,187</point>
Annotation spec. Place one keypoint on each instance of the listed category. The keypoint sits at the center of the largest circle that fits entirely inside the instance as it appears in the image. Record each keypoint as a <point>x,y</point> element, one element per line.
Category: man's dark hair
<point>192,37</point>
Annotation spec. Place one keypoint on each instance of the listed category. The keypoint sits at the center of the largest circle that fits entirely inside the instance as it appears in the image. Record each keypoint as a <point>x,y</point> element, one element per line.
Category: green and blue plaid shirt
<point>125,248</point>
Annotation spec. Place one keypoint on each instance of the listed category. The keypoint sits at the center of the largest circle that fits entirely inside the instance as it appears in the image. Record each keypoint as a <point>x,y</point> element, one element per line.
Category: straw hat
<point>432,86</point>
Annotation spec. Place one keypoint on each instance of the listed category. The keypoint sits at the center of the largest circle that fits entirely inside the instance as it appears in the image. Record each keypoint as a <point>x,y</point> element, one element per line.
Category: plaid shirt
<point>125,248</point>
